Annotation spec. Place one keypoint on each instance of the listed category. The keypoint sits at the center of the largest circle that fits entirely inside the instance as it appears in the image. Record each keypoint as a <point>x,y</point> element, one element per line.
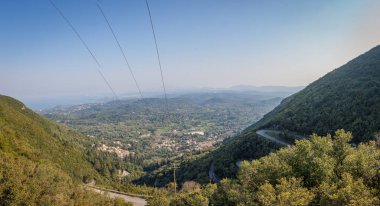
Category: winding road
<point>263,133</point>
<point>211,173</point>
<point>136,201</point>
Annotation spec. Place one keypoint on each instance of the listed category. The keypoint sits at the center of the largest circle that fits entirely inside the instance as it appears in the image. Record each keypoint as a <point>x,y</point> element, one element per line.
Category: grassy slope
<point>23,133</point>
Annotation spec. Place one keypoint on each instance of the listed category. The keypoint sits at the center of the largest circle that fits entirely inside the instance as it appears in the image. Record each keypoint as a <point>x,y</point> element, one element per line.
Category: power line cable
<point>120,48</point>
<point>86,46</point>
<point>158,56</point>
<point>163,83</point>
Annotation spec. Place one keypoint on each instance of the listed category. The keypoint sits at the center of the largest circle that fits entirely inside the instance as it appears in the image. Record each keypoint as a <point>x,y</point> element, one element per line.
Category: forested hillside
<point>348,98</point>
<point>42,163</point>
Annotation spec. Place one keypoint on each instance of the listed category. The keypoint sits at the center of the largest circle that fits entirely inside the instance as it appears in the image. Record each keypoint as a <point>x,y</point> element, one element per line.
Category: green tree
<point>286,192</point>
<point>189,199</point>
<point>191,186</point>
<point>159,200</point>
<point>319,170</point>
<point>347,191</point>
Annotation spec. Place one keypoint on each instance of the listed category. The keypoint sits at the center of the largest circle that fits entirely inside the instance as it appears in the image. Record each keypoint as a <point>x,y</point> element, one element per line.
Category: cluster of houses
<point>116,150</point>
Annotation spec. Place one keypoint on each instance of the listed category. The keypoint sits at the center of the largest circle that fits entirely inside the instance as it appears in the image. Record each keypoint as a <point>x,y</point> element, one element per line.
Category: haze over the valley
<point>190,102</point>
<point>215,44</point>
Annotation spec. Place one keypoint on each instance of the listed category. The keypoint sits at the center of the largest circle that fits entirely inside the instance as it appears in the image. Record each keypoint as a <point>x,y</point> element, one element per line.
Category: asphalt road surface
<point>262,133</point>
<point>136,201</point>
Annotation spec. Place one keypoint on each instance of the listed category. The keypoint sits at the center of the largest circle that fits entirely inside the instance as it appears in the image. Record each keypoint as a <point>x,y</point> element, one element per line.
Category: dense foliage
<point>25,182</point>
<point>26,134</point>
<point>348,97</point>
<point>317,171</point>
<point>42,163</point>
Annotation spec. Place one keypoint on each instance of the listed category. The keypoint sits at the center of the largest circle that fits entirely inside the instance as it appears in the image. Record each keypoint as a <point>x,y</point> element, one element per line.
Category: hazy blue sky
<point>203,43</point>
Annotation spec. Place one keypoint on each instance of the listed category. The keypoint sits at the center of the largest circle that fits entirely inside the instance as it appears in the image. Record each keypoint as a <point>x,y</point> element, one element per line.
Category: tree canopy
<point>321,170</point>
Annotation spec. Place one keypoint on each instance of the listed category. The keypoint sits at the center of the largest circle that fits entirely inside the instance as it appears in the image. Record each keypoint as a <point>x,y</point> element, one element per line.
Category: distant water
<point>48,103</point>
<point>42,103</point>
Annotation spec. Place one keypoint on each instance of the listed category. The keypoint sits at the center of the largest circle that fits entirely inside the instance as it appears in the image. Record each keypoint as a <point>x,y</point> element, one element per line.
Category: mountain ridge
<point>351,92</point>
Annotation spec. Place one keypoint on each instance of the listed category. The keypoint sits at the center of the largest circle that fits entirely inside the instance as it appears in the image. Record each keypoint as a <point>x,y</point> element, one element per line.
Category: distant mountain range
<point>50,102</point>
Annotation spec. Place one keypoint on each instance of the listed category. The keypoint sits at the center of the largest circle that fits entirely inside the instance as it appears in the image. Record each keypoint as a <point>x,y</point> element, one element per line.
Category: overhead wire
<point>120,48</point>
<point>163,83</point>
<point>99,69</point>
<point>158,57</point>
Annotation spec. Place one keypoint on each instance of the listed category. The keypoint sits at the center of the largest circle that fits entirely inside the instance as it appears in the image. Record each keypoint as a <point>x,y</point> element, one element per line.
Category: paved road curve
<point>136,201</point>
<point>212,174</point>
<point>262,133</point>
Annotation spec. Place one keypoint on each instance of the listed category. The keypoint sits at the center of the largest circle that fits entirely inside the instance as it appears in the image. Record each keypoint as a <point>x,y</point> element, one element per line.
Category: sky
<point>202,43</point>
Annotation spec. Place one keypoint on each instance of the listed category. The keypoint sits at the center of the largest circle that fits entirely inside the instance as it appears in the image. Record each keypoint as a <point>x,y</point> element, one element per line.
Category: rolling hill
<point>42,163</point>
